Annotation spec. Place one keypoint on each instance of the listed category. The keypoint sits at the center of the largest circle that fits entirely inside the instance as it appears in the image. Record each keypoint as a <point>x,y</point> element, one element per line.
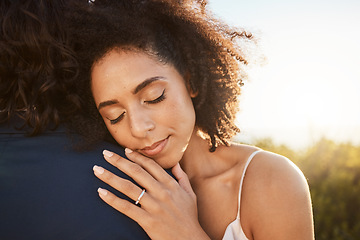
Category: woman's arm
<point>276,200</point>
<point>168,207</point>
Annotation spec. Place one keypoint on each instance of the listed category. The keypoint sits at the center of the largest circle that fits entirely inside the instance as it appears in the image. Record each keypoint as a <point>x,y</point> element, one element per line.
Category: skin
<point>275,201</point>
<point>160,109</point>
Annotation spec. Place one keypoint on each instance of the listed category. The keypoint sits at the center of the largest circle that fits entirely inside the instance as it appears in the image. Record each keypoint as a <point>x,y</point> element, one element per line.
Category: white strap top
<point>234,230</point>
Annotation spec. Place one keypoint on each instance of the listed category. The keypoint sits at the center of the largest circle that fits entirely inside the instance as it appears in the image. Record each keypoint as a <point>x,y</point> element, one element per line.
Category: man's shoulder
<point>51,191</point>
<point>59,139</point>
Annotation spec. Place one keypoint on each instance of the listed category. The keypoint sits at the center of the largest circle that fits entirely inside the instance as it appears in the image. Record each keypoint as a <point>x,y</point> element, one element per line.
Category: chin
<point>167,163</point>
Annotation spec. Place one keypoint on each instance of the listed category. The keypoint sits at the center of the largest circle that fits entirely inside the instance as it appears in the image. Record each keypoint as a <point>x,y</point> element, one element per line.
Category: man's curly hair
<point>37,65</point>
<point>181,33</point>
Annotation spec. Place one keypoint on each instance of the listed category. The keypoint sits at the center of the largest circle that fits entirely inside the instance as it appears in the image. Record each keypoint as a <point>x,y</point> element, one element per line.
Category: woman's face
<point>145,105</point>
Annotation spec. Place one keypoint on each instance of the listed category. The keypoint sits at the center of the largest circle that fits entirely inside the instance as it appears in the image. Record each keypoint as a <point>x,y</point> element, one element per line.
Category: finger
<point>149,165</point>
<point>133,170</point>
<point>122,185</point>
<point>131,210</point>
<point>183,179</point>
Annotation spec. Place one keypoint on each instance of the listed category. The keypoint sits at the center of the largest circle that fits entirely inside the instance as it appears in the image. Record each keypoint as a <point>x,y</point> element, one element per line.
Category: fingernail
<point>98,170</point>
<point>128,150</point>
<point>108,153</point>
<point>102,191</point>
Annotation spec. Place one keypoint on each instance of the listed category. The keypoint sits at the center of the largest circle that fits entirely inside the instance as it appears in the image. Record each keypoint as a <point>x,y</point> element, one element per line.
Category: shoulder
<point>266,167</point>
<point>270,172</point>
<point>276,198</point>
<point>274,172</point>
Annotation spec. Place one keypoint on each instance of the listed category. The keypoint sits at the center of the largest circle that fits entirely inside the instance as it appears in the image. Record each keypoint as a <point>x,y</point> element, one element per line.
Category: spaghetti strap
<point>242,178</point>
<point>234,230</point>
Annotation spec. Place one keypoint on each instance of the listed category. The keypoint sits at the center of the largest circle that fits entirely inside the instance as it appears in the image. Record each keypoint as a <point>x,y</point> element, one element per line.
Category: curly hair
<point>181,33</point>
<point>37,65</point>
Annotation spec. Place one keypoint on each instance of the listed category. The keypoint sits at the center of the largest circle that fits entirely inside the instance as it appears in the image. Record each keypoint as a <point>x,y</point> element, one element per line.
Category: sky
<point>309,86</point>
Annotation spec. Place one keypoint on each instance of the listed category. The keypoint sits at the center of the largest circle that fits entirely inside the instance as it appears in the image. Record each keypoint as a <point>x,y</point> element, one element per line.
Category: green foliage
<point>333,173</point>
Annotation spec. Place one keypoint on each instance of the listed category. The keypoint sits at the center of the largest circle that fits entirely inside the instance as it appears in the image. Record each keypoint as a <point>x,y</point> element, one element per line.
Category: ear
<point>191,91</point>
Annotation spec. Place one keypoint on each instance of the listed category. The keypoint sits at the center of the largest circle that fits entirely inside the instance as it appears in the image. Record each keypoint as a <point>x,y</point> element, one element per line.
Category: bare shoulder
<point>274,172</point>
<point>276,199</point>
<point>270,168</point>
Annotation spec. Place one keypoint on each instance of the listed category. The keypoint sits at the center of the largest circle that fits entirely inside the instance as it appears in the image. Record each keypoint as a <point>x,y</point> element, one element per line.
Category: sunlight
<point>310,86</point>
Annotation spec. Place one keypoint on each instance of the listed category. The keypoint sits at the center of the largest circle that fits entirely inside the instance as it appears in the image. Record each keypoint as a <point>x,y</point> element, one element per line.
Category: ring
<point>139,198</point>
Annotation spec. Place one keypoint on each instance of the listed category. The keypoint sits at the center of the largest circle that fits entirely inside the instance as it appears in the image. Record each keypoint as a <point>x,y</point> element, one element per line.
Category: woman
<point>165,78</point>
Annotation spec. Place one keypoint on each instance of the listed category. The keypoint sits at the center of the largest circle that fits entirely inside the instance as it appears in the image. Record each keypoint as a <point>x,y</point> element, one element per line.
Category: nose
<point>141,123</point>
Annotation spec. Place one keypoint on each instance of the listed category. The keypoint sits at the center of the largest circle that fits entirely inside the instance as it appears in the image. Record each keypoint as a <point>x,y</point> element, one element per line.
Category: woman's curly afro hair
<point>181,33</point>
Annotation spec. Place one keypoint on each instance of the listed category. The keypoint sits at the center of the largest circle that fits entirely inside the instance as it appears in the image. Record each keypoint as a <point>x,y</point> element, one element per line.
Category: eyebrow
<point>146,83</point>
<point>136,90</point>
<point>107,103</point>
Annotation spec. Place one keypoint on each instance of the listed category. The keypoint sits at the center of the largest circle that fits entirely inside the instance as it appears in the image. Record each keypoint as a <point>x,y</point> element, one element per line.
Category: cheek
<point>118,134</point>
<point>183,113</point>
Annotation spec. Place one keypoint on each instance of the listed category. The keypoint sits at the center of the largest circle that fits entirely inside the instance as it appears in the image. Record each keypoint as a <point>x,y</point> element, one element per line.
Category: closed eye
<point>157,100</point>
<point>118,119</point>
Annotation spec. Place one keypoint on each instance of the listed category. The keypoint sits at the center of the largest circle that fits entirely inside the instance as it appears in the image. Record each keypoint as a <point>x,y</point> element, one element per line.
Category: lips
<point>155,148</point>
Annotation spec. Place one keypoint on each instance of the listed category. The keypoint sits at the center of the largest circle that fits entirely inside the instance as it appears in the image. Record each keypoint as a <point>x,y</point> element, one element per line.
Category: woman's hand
<point>168,208</point>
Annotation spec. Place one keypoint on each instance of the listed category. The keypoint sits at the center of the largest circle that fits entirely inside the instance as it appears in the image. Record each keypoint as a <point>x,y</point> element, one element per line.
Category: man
<point>48,190</point>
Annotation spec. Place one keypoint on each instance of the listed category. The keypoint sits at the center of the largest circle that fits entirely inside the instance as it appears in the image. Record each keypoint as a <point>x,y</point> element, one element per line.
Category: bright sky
<point>310,86</point>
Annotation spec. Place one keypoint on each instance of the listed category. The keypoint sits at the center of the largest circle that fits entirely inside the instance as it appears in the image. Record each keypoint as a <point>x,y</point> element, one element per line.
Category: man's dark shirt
<point>49,191</point>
